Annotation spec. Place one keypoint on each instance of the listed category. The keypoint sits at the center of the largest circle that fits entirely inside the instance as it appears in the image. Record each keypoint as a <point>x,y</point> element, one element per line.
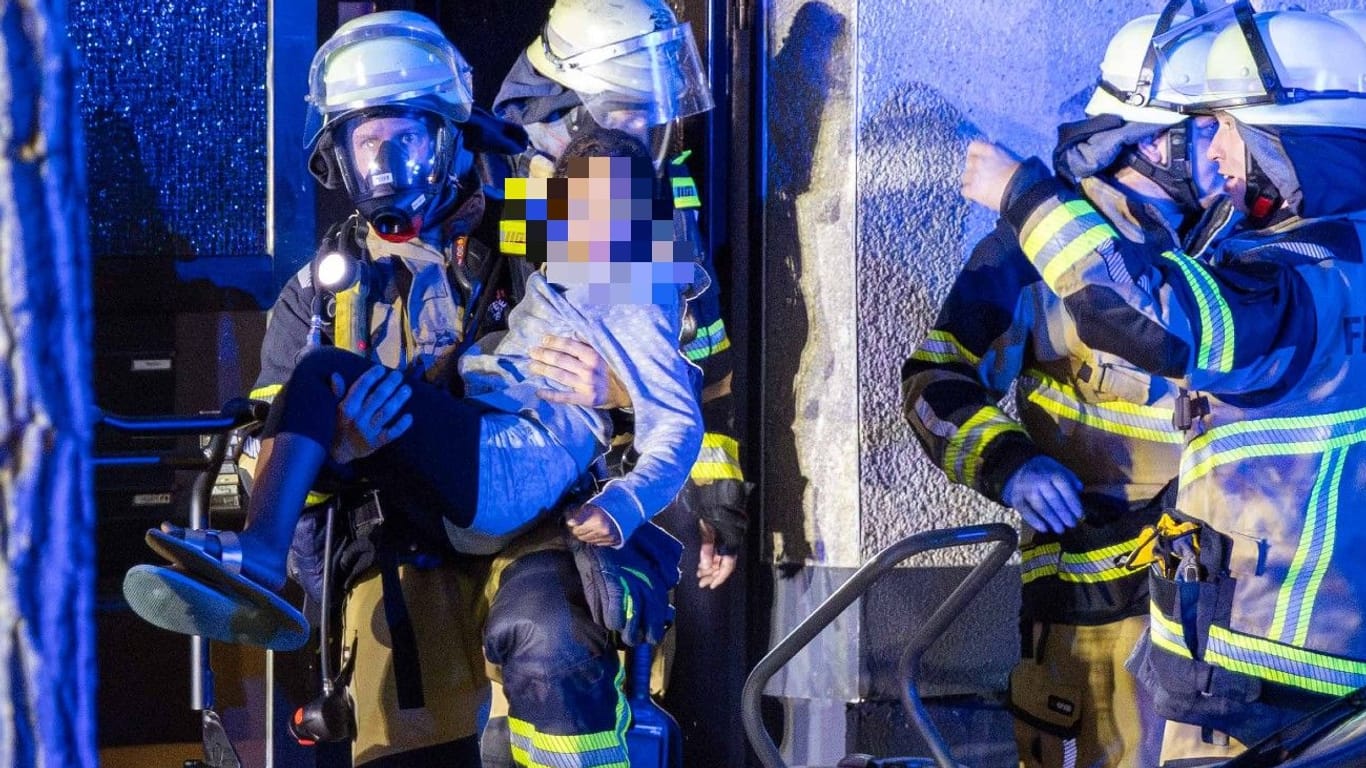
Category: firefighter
<point>416,615</point>
<point>1255,592</point>
<point>1090,458</point>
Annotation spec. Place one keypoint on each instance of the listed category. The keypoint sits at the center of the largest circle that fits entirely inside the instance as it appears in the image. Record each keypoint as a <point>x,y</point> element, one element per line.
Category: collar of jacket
<point>1136,221</point>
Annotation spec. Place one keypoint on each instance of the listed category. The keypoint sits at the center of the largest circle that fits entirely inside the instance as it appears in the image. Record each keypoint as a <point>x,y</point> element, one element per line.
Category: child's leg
<point>456,468</point>
<point>297,437</point>
<point>429,474</point>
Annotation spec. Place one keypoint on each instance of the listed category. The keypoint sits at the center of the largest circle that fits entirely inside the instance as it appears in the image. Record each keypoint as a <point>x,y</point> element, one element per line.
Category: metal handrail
<point>909,665</point>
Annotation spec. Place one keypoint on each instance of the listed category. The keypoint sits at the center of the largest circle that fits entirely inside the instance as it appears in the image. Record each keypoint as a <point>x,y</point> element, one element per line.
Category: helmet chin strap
<point>1261,197</point>
<point>1176,177</point>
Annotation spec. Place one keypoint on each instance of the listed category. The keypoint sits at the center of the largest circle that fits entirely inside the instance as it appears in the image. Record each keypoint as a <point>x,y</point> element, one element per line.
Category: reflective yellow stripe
<point>684,188</point>
<point>512,237</point>
<point>1300,667</point>
<point>710,340</point>
<point>1051,225</point>
<point>347,327</point>
<point>703,353</point>
<point>719,459</point>
<point>1091,567</point>
<point>1324,549</point>
<point>1039,562</point>
<point>963,455</point>
<point>704,472</point>
<point>1295,602</point>
<point>266,394</point>
<point>1216,330</point>
<point>1165,633</point>
<point>1287,436</point>
<point>729,447</point>
<point>604,749</point>
<point>1075,250</point>
<point>1141,422</point>
<point>1258,657</point>
<point>943,347</point>
<point>685,193</point>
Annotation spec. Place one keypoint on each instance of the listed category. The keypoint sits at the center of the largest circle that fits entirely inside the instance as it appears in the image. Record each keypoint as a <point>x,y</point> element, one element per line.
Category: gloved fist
<point>1044,492</point>
<point>721,504</point>
<point>720,510</point>
<point>714,565</point>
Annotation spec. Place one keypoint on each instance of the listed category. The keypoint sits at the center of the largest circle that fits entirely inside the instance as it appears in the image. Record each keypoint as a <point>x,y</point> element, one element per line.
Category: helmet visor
<point>384,153</point>
<point>645,80</point>
<point>386,64</point>
<point>1180,77</point>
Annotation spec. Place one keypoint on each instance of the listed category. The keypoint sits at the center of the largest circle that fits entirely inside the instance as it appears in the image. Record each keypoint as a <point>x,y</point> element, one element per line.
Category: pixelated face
<point>601,226</point>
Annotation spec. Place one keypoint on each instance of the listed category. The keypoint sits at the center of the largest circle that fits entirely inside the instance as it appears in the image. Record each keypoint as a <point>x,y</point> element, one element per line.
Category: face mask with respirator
<point>395,164</point>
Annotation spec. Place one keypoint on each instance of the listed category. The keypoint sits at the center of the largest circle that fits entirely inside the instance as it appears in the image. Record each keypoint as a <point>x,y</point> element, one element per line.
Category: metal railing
<point>909,665</point>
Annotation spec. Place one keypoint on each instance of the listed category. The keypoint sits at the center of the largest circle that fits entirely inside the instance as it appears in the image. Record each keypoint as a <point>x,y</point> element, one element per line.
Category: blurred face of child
<point>605,229</point>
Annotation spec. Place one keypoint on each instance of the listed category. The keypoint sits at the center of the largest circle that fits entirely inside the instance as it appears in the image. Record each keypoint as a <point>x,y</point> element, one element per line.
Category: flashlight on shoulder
<point>346,279</point>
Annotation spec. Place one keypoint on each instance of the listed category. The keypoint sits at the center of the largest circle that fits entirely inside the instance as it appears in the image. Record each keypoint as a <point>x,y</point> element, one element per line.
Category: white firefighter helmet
<point>1138,86</point>
<point>623,56</point>
<point>1286,68</point>
<point>389,58</point>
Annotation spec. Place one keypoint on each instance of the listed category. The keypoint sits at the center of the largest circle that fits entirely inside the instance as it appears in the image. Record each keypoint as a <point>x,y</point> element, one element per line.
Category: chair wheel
<point>857,760</point>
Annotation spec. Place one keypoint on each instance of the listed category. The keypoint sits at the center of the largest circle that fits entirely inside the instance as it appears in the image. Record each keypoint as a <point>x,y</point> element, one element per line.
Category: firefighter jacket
<point>418,306</point>
<point>716,487</point>
<point>1097,415</point>
<point>1269,341</point>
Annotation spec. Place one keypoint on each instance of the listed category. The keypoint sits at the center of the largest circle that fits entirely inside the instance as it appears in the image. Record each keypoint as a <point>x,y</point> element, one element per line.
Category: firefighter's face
<point>1228,151</point>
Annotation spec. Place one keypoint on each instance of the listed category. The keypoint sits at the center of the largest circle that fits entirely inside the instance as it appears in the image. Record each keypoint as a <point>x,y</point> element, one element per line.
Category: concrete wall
<point>870,104</point>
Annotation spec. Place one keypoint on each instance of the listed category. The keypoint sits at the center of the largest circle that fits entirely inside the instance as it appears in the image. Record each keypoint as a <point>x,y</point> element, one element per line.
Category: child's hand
<point>592,525</point>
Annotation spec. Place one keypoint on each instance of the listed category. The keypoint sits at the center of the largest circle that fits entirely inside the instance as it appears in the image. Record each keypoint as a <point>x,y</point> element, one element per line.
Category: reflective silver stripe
<point>1262,658</point>
<point>1038,562</point>
<point>1093,566</point>
<point>942,347</point>
<point>1287,436</point>
<point>1140,422</point>
<point>1288,665</point>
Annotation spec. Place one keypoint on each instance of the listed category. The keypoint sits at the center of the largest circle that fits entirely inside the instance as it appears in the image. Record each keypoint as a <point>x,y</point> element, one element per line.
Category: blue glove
<point>1045,493</point>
